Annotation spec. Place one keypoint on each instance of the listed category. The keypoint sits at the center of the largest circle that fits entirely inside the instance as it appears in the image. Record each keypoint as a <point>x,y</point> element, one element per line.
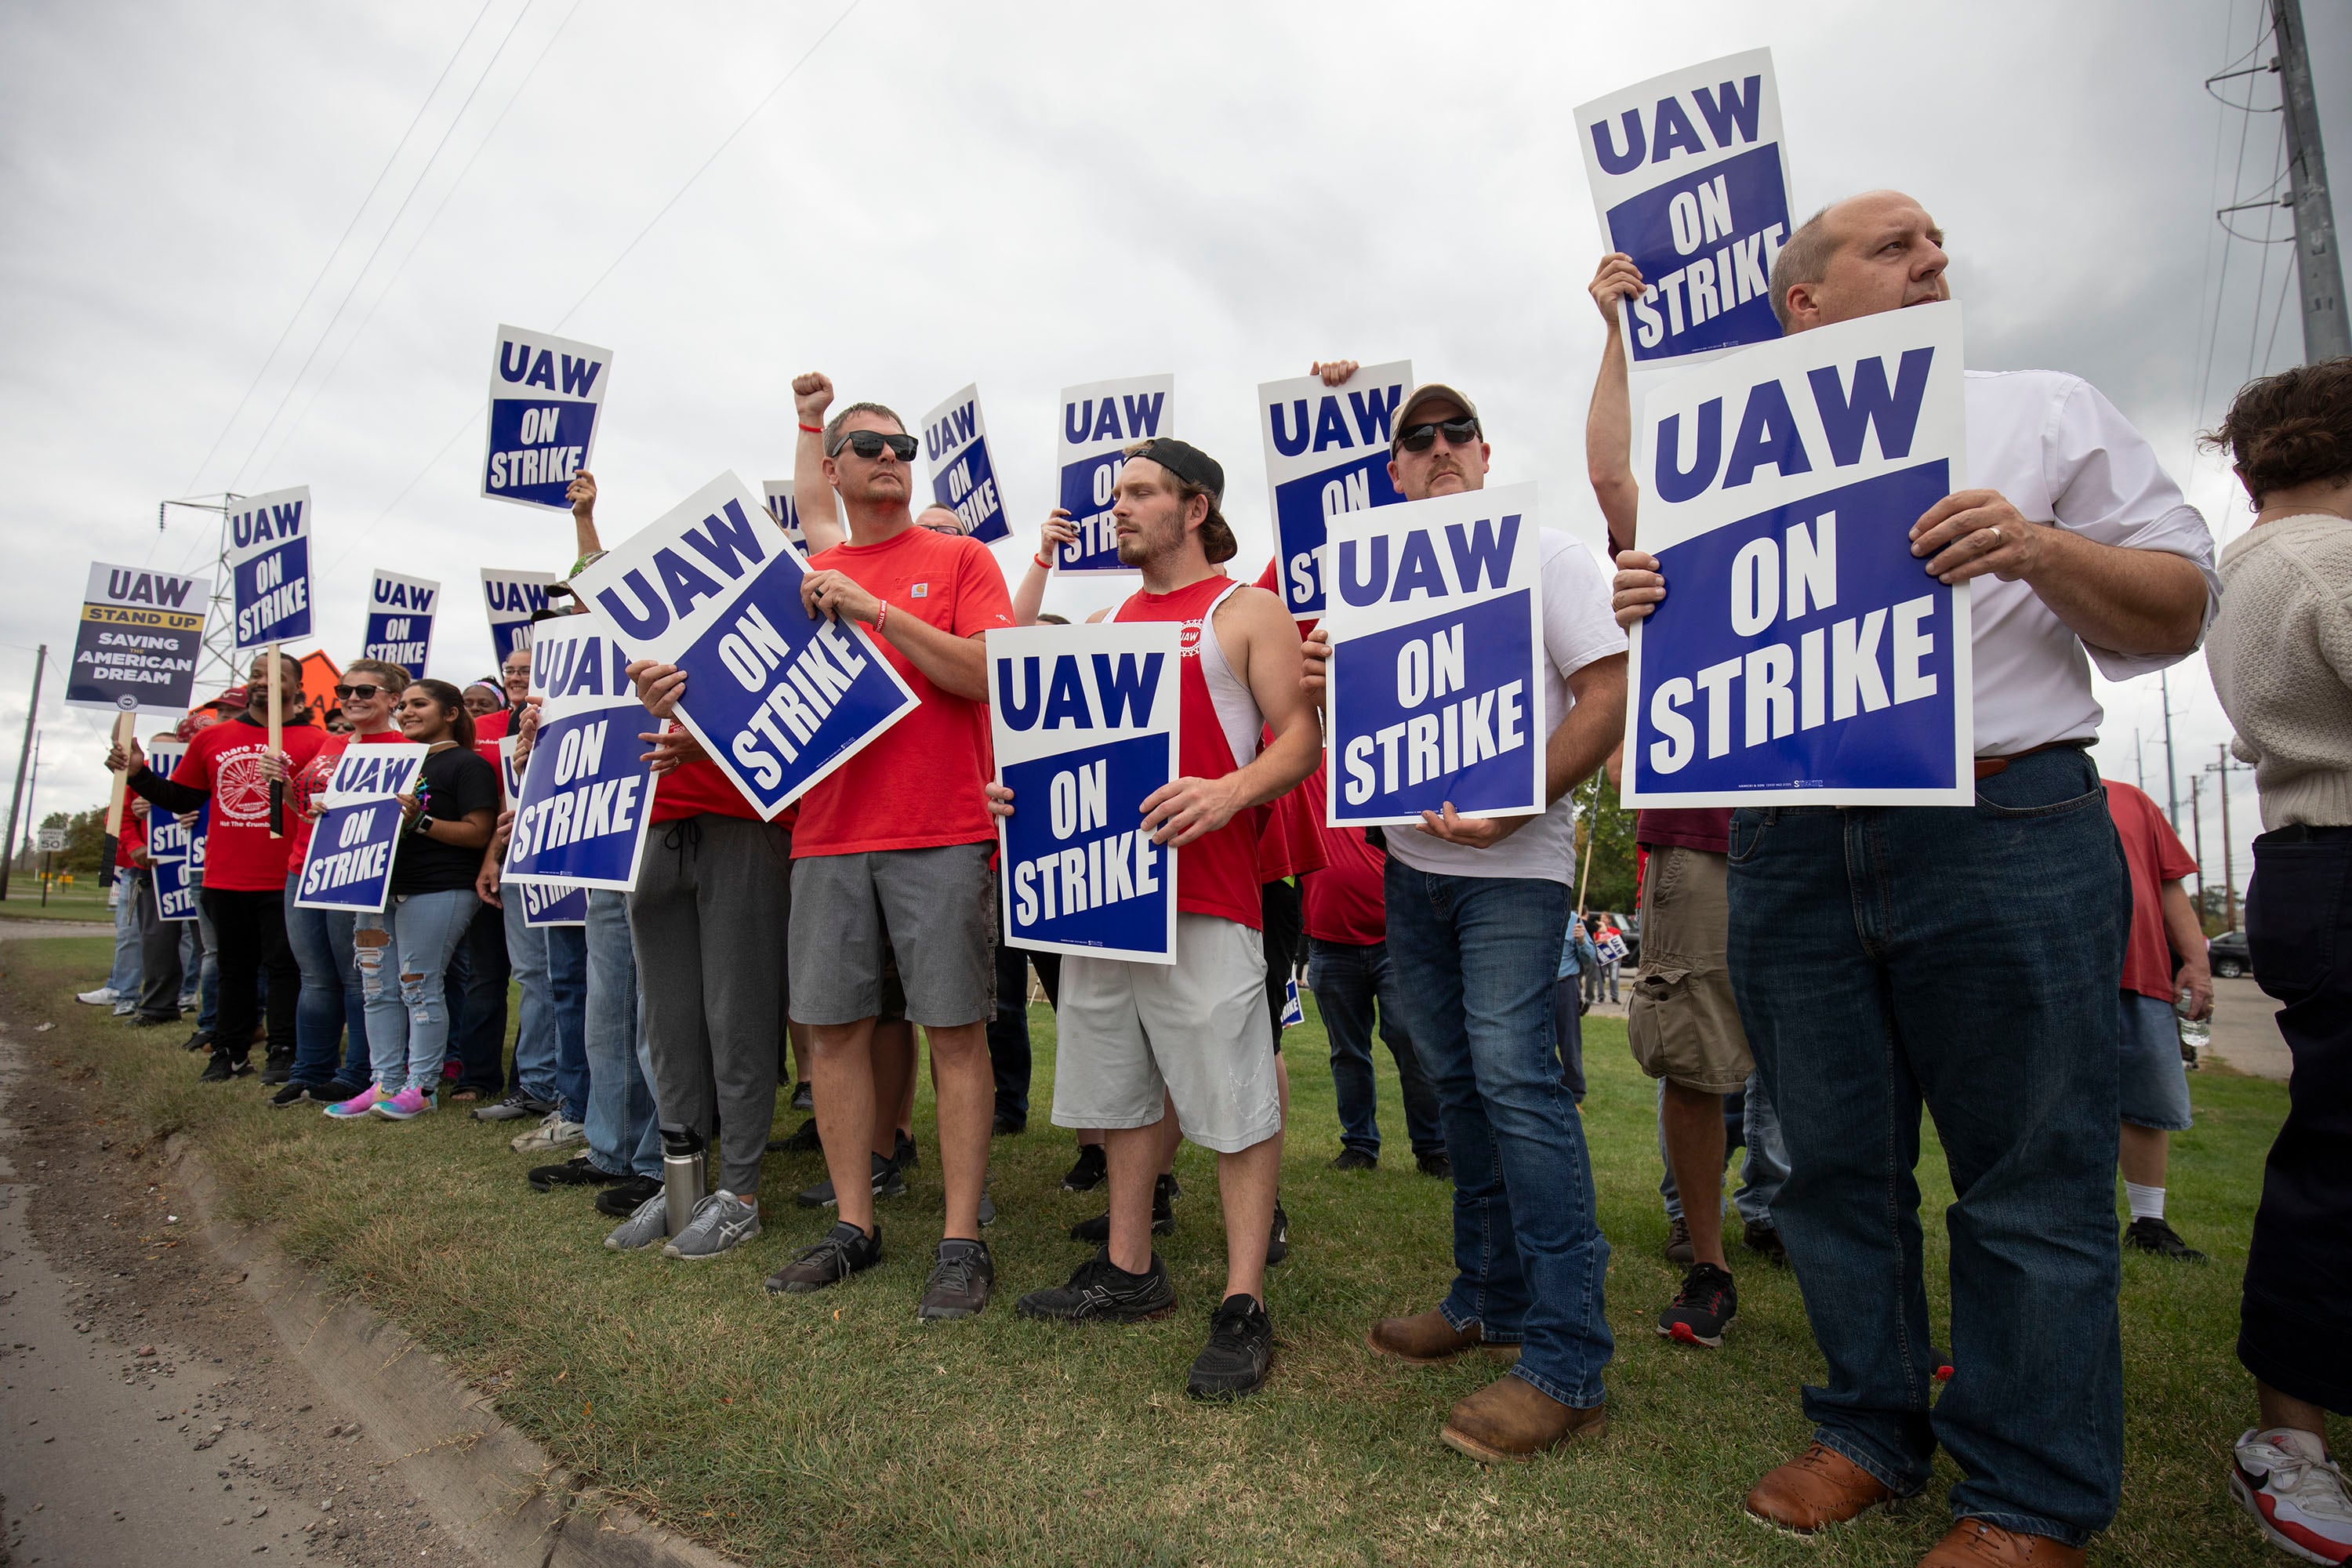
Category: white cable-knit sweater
<point>2281,654</point>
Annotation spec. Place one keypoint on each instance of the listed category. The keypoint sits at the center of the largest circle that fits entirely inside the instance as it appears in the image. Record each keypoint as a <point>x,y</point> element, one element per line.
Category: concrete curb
<point>484,1481</point>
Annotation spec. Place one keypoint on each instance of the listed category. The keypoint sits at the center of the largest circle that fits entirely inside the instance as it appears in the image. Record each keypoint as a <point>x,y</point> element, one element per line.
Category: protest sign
<point>1294,1010</point>
<point>581,805</point>
<point>1327,451</point>
<point>1085,725</point>
<point>1801,655</point>
<point>553,903</point>
<point>1436,689</point>
<point>512,598</point>
<point>400,621</point>
<point>140,634</point>
<point>269,564</point>
<point>1691,179</point>
<point>349,863</point>
<point>199,832</point>
<point>168,842</point>
<point>963,476</point>
<point>1097,421</point>
<point>785,511</point>
<point>777,699</point>
<point>546,396</point>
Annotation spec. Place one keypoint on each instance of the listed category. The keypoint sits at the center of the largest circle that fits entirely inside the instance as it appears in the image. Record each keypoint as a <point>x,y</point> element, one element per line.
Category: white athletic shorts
<point>1129,1035</point>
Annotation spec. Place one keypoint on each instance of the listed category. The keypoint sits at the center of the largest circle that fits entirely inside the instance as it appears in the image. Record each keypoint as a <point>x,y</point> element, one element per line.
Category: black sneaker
<point>845,1250</point>
<point>338,1091</point>
<point>1101,1291</point>
<point>1702,1309</point>
<point>1762,1237</point>
<point>576,1172</point>
<point>804,1141</point>
<point>220,1069</point>
<point>962,1276</point>
<point>1356,1159</point>
<point>2155,1236</point>
<point>621,1199</point>
<point>1434,1165</point>
<point>888,1184</point>
<point>295,1094</point>
<point>802,1099</point>
<point>1008,1126</point>
<point>1240,1349</point>
<point>202,1040</point>
<point>1089,1172</point>
<point>276,1069</point>
<point>904,1154</point>
<point>1277,1244</point>
<point>1096,1231</point>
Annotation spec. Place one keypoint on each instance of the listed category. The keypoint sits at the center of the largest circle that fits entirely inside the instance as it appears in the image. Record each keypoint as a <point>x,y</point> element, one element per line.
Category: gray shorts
<point>1129,1036</point>
<point>934,909</point>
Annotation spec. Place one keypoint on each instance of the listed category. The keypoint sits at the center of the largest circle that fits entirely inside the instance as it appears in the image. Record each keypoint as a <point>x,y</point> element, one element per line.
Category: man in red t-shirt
<point>2152,1084</point>
<point>245,867</point>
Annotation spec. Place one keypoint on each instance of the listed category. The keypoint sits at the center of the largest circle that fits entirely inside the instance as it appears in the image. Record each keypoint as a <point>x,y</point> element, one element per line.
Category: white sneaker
<point>719,1222</point>
<point>2284,1479</point>
<point>553,1132</point>
<point>124,1009</point>
<point>102,997</point>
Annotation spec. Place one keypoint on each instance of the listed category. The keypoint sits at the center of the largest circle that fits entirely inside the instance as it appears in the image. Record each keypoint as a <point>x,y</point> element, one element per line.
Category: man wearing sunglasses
<point>1476,910</point>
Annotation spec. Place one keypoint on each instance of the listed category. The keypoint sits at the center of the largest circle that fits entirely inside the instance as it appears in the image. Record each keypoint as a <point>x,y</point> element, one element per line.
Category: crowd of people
<point>1809,979</point>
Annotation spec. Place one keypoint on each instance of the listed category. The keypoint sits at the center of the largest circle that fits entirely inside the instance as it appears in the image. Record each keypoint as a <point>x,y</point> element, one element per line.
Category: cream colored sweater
<point>2281,654</point>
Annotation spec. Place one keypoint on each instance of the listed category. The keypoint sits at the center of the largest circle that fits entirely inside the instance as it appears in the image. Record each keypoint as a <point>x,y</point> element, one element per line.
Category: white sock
<point>2147,1203</point>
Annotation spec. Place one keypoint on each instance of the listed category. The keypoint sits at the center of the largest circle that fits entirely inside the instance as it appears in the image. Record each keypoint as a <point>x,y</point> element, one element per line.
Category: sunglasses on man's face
<point>1458,433</point>
<point>869,444</point>
<point>362,692</point>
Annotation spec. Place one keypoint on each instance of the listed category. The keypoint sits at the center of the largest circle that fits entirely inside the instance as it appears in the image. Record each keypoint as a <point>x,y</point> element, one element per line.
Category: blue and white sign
<point>140,634</point>
<point>1435,689</point>
<point>1097,420</point>
<point>580,812</point>
<point>1084,724</point>
<point>778,700</point>
<point>199,839</point>
<point>963,475</point>
<point>349,863</point>
<point>786,511</point>
<point>1801,655</point>
<point>1327,451</point>
<point>547,395</point>
<point>1691,178</point>
<point>512,598</point>
<point>400,621</point>
<point>269,563</point>
<point>168,841</point>
<point>1294,1010</point>
<point>553,903</point>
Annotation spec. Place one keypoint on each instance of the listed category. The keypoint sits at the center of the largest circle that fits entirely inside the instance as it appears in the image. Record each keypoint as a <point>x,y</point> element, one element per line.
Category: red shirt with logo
<point>225,761</point>
<point>307,783</point>
<point>2155,856</point>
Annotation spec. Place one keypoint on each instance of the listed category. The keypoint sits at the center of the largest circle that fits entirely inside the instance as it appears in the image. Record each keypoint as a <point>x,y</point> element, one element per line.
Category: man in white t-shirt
<point>1966,958</point>
<point>1477,911</point>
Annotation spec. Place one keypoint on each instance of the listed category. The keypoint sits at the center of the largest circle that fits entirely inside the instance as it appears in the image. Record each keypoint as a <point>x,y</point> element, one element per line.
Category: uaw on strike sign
<point>400,621</point>
<point>140,634</point>
<point>1327,451</point>
<point>777,699</point>
<point>1691,179</point>
<point>1097,421</point>
<point>579,814</point>
<point>1085,725</point>
<point>963,475</point>
<point>269,563</point>
<point>1436,692</point>
<point>547,395</point>
<point>1802,655</point>
<point>349,863</point>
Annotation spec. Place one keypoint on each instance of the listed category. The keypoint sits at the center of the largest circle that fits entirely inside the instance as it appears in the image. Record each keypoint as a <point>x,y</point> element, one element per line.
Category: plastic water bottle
<point>2195,1033</point>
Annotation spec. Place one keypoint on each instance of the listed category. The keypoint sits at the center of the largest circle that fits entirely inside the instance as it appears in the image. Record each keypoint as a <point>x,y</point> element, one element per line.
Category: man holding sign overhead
<point>1967,956</point>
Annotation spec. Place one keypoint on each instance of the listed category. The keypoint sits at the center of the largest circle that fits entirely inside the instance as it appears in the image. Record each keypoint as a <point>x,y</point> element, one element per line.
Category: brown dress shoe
<point>1819,1487</point>
<point>1510,1419</point>
<point>1424,1340</point>
<point>1973,1544</point>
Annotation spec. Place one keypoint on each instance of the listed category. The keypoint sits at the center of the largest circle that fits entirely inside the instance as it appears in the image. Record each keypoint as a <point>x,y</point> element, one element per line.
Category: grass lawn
<point>83,901</point>
<point>835,1428</point>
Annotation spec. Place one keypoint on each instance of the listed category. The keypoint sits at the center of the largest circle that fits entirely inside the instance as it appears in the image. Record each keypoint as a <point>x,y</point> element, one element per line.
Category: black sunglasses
<point>1420,438</point>
<point>869,444</point>
<point>345,693</point>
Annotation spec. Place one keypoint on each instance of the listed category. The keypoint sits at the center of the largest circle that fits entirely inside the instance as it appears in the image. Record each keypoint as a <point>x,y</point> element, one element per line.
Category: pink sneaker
<point>400,1107</point>
<point>358,1105</point>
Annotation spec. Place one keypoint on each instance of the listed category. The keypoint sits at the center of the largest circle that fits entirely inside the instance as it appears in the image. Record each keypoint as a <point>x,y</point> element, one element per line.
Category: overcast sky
<point>1027,197</point>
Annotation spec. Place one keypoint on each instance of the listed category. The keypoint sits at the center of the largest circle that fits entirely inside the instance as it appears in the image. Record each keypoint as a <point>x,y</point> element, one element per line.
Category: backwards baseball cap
<point>1427,392</point>
<point>1199,469</point>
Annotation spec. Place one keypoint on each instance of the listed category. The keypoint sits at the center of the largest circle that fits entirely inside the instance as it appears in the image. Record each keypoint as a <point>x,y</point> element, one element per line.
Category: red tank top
<point>1216,874</point>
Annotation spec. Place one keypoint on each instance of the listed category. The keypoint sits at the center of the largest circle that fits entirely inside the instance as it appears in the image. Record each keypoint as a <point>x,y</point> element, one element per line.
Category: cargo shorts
<point>1682,1020</point>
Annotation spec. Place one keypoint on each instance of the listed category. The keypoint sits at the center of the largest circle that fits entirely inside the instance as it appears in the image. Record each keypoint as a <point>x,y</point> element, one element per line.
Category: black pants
<point>1008,1035</point>
<point>159,950</point>
<point>2295,1322</point>
<point>478,1025</point>
<point>251,928</point>
<point>1284,915</point>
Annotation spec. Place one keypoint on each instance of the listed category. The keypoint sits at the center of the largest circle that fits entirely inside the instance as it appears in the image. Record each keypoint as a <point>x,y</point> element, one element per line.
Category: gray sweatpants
<point>708,918</point>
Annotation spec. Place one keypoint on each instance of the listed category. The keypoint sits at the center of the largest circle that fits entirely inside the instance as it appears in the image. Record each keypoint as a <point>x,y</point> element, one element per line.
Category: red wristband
<point>884,616</point>
<point>813,430</point>
<point>1040,558</point>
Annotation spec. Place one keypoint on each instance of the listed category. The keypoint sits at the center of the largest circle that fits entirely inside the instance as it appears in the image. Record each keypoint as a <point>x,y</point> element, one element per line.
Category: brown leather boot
<point>1426,1339</point>
<point>1510,1419</point>
<point>1819,1487</point>
<point>1973,1544</point>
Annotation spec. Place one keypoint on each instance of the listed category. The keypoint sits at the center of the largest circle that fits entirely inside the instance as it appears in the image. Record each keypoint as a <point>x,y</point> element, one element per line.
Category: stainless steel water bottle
<point>683,1168</point>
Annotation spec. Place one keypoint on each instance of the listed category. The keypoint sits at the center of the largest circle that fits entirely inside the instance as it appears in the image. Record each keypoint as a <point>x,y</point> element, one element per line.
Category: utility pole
<point>2196,835</point>
<point>2326,332</point>
<point>2171,768</point>
<point>24,755</point>
<point>2225,767</point>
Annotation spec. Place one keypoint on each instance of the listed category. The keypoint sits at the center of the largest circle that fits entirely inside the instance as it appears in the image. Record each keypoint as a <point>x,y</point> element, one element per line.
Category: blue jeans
<point>123,978</point>
<point>622,1136</point>
<point>209,961</point>
<point>1754,1131</point>
<point>1474,959</point>
<point>1965,959</point>
<point>408,1019</point>
<point>567,1011</point>
<point>1347,981</point>
<point>330,986</point>
<point>535,1046</point>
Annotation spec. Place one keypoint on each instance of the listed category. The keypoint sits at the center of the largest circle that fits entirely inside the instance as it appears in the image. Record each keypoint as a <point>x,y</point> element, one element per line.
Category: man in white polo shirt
<point>1967,958</point>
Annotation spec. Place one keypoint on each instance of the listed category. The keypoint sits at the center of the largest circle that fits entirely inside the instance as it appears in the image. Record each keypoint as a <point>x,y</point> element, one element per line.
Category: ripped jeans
<point>408,1024</point>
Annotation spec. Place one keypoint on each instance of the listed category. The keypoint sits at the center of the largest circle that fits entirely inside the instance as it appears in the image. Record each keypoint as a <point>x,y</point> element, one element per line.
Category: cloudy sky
<point>1025,197</point>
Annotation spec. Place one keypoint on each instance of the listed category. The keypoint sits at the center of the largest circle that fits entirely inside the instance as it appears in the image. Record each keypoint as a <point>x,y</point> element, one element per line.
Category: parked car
<point>2229,957</point>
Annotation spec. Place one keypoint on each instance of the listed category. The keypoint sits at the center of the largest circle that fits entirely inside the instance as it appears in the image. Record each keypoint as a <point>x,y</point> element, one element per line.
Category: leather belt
<point>1987,766</point>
